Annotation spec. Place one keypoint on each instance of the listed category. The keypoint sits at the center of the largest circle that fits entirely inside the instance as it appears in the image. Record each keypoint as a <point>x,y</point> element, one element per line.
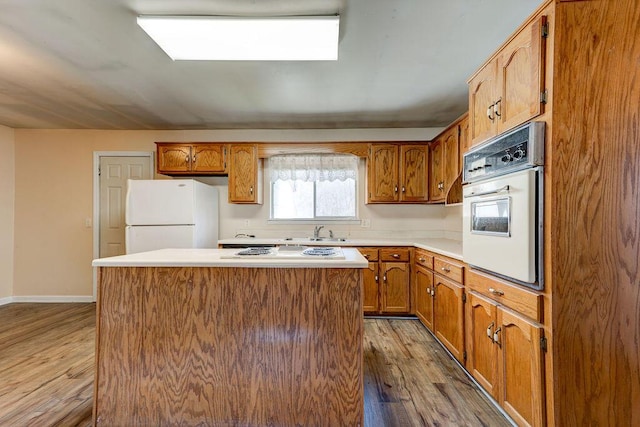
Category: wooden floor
<point>46,372</point>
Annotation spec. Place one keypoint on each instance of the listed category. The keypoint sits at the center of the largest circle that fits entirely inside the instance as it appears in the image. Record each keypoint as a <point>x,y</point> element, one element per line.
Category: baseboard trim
<point>6,300</point>
<point>52,298</point>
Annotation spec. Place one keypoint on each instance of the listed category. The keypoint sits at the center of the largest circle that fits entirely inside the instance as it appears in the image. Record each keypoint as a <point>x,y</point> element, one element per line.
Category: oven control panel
<point>518,149</point>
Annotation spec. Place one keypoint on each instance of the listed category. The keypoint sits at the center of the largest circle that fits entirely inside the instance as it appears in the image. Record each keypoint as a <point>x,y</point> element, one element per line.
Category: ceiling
<point>85,64</point>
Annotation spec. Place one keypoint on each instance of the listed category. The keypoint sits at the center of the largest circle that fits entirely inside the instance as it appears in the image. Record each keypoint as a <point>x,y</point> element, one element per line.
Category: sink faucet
<point>316,231</point>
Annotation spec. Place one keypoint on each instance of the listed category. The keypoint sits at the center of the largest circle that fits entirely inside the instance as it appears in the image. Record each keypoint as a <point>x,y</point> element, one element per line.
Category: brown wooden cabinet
<point>191,158</point>
<point>395,272</point>
<point>370,286</point>
<point>505,347</point>
<point>437,192</point>
<point>445,162</point>
<point>387,281</point>
<point>439,299</point>
<point>397,173</point>
<point>245,174</point>
<point>448,314</point>
<point>464,141</point>
<point>424,297</point>
<point>509,90</point>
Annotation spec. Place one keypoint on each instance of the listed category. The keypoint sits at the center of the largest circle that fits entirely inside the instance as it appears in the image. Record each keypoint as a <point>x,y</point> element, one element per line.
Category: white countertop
<point>446,247</point>
<point>224,258</point>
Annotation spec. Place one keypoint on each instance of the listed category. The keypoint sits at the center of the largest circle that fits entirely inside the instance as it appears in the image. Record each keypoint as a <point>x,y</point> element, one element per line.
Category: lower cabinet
<point>448,315</point>
<point>394,287</point>
<point>386,286</point>
<point>424,297</point>
<point>370,298</point>
<point>440,299</point>
<point>505,356</point>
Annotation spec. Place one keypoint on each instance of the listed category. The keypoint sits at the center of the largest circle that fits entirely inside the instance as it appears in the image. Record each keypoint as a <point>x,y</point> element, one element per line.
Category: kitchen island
<point>191,337</point>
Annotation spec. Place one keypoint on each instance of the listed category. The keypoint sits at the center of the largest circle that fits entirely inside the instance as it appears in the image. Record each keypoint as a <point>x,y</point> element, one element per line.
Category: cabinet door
<point>521,368</point>
<point>482,354</point>
<point>243,173</point>
<point>370,289</point>
<point>382,170</point>
<point>414,173</point>
<point>395,287</point>
<point>463,139</point>
<point>482,123</point>
<point>448,313</point>
<point>208,158</point>
<point>174,158</point>
<point>451,156</point>
<point>521,77</point>
<point>424,300</point>
<point>436,171</point>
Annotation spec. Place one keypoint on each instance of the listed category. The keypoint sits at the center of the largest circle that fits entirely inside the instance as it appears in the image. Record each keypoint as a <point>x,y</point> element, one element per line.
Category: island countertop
<point>223,258</point>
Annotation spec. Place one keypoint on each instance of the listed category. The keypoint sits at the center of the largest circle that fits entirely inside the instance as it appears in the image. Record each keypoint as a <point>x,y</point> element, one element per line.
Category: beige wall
<point>54,196</point>
<point>7,186</point>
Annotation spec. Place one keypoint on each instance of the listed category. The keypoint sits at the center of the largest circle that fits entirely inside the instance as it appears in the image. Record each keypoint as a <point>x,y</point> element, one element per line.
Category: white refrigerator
<point>171,213</point>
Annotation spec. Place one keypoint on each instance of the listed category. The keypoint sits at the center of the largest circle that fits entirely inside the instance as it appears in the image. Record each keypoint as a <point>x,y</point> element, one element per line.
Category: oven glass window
<point>491,217</point>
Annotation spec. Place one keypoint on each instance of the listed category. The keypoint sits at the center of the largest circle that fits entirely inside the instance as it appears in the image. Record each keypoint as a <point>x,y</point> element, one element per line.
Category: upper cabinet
<point>397,173</point>
<point>245,174</point>
<point>446,161</point>
<point>190,159</point>
<point>509,89</point>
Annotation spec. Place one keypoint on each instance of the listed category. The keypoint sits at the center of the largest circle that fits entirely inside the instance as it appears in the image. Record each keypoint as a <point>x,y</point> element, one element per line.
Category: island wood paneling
<point>595,213</point>
<point>229,346</point>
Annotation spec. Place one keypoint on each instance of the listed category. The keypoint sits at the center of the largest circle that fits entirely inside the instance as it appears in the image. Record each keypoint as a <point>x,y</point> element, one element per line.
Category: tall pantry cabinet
<point>588,94</point>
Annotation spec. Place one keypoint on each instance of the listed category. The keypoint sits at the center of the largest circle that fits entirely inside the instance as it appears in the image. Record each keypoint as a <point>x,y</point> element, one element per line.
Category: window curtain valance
<point>313,167</point>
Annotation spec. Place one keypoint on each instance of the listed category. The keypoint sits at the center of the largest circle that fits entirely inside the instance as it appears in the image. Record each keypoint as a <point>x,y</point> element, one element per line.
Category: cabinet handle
<point>490,112</point>
<point>446,269</point>
<point>496,109</point>
<point>496,291</point>
<point>396,256</point>
<point>403,190</point>
<point>367,256</point>
<point>376,278</point>
<point>384,278</point>
<point>193,158</point>
<point>489,334</point>
<point>496,337</point>
<point>395,189</point>
<point>186,159</point>
<point>433,292</point>
<point>251,189</point>
<point>421,259</point>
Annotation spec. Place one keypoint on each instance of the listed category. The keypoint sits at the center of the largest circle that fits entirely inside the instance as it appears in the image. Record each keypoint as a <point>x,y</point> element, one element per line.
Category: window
<point>319,186</point>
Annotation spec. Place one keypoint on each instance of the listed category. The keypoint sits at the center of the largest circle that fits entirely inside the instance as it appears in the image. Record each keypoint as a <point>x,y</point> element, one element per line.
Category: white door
<point>114,172</point>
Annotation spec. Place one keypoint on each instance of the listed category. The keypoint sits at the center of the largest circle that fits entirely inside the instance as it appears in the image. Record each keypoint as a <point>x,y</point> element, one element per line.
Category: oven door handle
<point>486,193</point>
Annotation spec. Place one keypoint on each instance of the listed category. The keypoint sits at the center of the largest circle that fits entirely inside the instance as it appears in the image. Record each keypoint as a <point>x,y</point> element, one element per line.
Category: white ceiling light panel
<point>224,38</point>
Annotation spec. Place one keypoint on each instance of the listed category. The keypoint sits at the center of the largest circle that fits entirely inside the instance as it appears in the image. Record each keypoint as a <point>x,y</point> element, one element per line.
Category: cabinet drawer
<point>448,268</point>
<point>510,295</point>
<point>424,259</point>
<point>371,254</point>
<point>394,254</point>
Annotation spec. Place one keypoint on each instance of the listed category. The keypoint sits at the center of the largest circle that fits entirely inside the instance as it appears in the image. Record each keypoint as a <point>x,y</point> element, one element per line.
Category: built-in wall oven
<point>503,206</point>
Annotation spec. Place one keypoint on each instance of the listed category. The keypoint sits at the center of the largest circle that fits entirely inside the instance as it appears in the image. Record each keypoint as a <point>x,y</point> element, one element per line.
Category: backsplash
<point>385,221</point>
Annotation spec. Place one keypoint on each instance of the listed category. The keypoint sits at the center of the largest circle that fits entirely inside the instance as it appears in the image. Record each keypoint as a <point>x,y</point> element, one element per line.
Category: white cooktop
<point>288,252</point>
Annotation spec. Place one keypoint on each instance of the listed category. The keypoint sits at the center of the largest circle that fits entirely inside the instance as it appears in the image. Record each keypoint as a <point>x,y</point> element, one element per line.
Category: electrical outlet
<point>365,223</point>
